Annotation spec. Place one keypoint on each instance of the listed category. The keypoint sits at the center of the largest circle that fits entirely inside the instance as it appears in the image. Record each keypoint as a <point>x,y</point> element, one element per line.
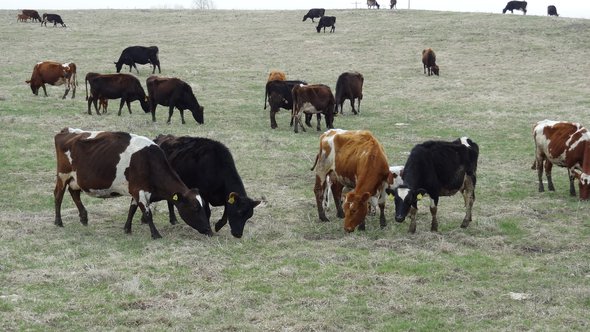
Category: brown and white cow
<point>110,164</point>
<point>565,144</point>
<point>53,73</point>
<point>312,99</point>
<point>353,159</point>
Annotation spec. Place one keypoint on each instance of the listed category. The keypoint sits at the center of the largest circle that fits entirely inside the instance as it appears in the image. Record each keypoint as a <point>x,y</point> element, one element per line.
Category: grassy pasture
<point>499,74</point>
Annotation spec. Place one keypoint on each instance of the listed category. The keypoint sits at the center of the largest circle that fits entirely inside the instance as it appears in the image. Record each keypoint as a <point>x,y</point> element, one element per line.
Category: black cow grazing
<point>110,164</point>
<point>314,13</point>
<point>372,4</point>
<point>115,86</point>
<point>52,18</point>
<point>208,165</point>
<point>139,54</point>
<point>552,10</point>
<point>515,5</point>
<point>327,21</point>
<point>437,168</point>
<point>392,4</point>
<point>173,92</point>
<point>278,93</point>
<point>349,86</point>
<point>33,14</point>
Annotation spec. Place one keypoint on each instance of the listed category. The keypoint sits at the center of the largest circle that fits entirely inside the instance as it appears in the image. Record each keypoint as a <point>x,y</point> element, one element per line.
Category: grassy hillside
<point>499,75</point>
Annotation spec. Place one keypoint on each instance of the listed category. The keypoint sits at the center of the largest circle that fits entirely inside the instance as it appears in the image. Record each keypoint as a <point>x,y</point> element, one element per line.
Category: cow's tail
<point>265,96</point>
<point>86,84</point>
<point>317,157</point>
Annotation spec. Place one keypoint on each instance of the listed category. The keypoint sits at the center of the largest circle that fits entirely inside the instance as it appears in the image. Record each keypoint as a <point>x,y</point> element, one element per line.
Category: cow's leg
<point>128,102</point>
<point>147,215</point>
<point>433,210</point>
<point>412,214</point>
<point>572,187</point>
<point>424,68</point>
<point>121,106</point>
<point>319,189</point>
<point>66,92</point>
<point>81,209</point>
<point>273,120</point>
<point>319,119</point>
<point>308,119</point>
<point>172,214</point>
<point>359,105</point>
<point>352,105</point>
<point>382,220</point>
<point>337,194</point>
<point>73,85</point>
<point>181,116</point>
<point>135,66</point>
<point>548,168</point>
<point>90,103</point>
<point>539,165</point>
<point>469,197</point>
<point>44,90</point>
<point>153,106</point>
<point>58,195</point>
<point>130,214</point>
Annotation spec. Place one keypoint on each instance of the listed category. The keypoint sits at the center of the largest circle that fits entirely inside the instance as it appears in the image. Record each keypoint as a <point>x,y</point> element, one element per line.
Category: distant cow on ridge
<point>552,11</point>
<point>515,5</point>
<point>139,54</point>
<point>314,13</point>
<point>52,18</point>
<point>372,4</point>
<point>33,14</point>
<point>392,4</point>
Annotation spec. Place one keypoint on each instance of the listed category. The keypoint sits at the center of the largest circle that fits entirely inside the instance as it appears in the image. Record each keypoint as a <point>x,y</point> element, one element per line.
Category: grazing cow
<point>515,5</point>
<point>372,4</point>
<point>552,11</point>
<point>278,93</point>
<point>276,75</point>
<point>115,86</point>
<point>102,102</point>
<point>33,14</point>
<point>139,54</point>
<point>52,18</point>
<point>437,168</point>
<point>349,86</point>
<point>314,13</point>
<point>429,62</point>
<point>22,18</point>
<point>110,164</point>
<point>53,73</point>
<point>173,92</point>
<point>208,165</point>
<point>353,159</point>
<point>393,4</point>
<point>313,99</point>
<point>565,144</point>
<point>327,21</point>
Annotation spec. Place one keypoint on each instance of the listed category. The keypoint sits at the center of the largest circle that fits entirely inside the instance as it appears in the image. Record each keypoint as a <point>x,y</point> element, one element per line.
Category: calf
<point>279,95</point>
<point>437,168</point>
<point>565,144</point>
<point>429,62</point>
<point>53,73</point>
<point>208,165</point>
<point>372,4</point>
<point>111,164</point>
<point>115,86</point>
<point>353,159</point>
<point>33,14</point>
<point>314,13</point>
<point>173,92</point>
<point>22,18</point>
<point>552,11</point>
<point>52,18</point>
<point>515,5</point>
<point>276,75</point>
<point>312,99</point>
<point>139,54</point>
<point>349,86</point>
<point>327,21</point>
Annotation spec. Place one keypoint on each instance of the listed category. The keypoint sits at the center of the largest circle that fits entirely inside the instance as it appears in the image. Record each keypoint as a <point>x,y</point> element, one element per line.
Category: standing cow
<point>326,21</point>
<point>392,4</point>
<point>372,4</point>
<point>33,14</point>
<point>278,94</point>
<point>173,92</point>
<point>552,10</point>
<point>515,5</point>
<point>53,73</point>
<point>314,13</point>
<point>111,164</point>
<point>429,62</point>
<point>312,99</point>
<point>349,86</point>
<point>139,54</point>
<point>115,86</point>
<point>437,168</point>
<point>565,144</point>
<point>52,18</point>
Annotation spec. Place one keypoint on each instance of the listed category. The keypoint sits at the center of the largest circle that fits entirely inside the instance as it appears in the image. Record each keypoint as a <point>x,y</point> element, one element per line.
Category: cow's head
<point>190,208</point>
<point>238,209</point>
<point>198,113</point>
<point>34,87</point>
<point>145,106</point>
<point>355,209</point>
<point>584,184</point>
<point>118,66</point>
<point>405,198</point>
<point>435,70</point>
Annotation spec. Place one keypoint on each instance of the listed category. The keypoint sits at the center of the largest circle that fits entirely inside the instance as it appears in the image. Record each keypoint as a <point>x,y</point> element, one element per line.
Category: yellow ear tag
<point>231,199</point>
<point>391,197</point>
<point>419,196</point>
<point>175,197</point>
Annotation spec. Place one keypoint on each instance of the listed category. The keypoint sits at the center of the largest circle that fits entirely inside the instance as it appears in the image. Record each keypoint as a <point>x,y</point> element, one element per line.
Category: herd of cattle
<point>193,173</point>
<point>33,16</point>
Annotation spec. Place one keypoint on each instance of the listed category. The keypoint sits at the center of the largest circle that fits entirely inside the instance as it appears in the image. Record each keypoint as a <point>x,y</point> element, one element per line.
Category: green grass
<point>499,75</point>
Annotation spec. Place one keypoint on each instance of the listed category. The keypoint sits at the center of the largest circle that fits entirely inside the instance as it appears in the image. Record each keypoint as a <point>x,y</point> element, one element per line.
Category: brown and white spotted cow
<point>353,159</point>
<point>53,73</point>
<point>110,164</point>
<point>565,144</point>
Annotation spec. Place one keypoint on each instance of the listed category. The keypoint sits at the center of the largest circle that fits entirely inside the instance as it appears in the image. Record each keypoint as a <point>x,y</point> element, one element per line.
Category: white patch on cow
<point>93,134</point>
<point>397,181</point>
<point>307,107</point>
<point>432,204</point>
<point>69,155</point>
<point>66,65</point>
<point>144,198</point>
<point>464,141</point>
<point>200,200</point>
<point>403,193</point>
<point>584,178</point>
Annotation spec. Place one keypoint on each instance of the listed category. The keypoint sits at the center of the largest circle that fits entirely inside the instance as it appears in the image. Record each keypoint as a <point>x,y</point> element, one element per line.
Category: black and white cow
<point>437,168</point>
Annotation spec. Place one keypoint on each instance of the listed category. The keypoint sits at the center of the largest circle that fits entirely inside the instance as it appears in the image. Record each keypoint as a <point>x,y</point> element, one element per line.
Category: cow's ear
<point>365,196</point>
<point>255,203</point>
<point>28,81</point>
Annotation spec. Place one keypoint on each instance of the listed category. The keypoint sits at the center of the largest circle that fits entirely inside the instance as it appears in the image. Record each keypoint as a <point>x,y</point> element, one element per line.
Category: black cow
<point>392,4</point>
<point>173,92</point>
<point>515,5</point>
<point>314,13</point>
<point>208,165</point>
<point>52,18</point>
<point>349,86</point>
<point>278,93</point>
<point>327,21</point>
<point>437,168</point>
<point>115,86</point>
<point>139,54</point>
<point>552,11</point>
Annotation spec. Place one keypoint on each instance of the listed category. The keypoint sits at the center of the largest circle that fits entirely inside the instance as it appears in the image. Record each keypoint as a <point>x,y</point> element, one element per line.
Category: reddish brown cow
<point>312,99</point>
<point>22,18</point>
<point>353,159</point>
<point>53,73</point>
<point>565,144</point>
<point>276,75</point>
<point>429,62</point>
<point>349,86</point>
<point>33,14</point>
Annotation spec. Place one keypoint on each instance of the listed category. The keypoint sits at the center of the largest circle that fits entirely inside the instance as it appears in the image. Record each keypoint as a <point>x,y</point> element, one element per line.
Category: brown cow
<point>103,103</point>
<point>276,75</point>
<point>22,18</point>
<point>111,164</point>
<point>313,99</point>
<point>53,73</point>
<point>115,86</point>
<point>33,14</point>
<point>349,86</point>
<point>173,92</point>
<point>353,159</point>
<point>565,144</point>
<point>429,61</point>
